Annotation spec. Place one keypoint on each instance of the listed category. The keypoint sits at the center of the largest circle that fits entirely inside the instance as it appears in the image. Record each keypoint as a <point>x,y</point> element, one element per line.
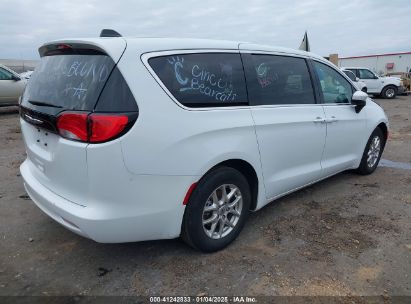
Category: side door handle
<point>331,120</point>
<point>319,119</point>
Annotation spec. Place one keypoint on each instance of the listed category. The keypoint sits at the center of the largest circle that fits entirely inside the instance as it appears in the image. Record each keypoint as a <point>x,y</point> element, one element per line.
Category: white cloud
<point>347,28</point>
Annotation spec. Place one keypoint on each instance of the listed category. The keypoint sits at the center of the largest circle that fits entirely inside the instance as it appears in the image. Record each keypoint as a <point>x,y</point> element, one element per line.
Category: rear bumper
<point>117,223</point>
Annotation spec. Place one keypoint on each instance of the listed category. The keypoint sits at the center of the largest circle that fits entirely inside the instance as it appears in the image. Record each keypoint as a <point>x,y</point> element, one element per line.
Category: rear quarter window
<point>203,80</point>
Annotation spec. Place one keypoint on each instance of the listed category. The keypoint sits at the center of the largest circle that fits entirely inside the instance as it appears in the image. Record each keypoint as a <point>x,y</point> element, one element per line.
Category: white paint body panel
<point>130,185</point>
<point>345,140</point>
<point>291,145</point>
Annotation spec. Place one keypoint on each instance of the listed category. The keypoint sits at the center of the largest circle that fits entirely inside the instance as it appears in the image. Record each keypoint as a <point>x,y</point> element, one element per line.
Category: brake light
<point>64,46</point>
<point>73,126</point>
<point>105,127</point>
<point>91,127</point>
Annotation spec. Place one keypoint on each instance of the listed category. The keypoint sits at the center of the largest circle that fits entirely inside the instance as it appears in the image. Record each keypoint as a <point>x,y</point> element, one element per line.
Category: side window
<point>355,72</point>
<point>335,88</point>
<point>366,74</point>
<point>277,80</point>
<point>5,75</point>
<point>350,75</point>
<point>203,80</point>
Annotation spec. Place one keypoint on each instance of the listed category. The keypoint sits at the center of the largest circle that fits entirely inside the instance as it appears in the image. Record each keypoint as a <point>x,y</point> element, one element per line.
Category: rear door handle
<point>319,120</point>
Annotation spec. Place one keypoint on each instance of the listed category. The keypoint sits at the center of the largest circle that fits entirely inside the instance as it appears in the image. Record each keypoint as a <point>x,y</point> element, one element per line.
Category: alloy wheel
<point>222,211</point>
<point>390,93</point>
<point>374,151</point>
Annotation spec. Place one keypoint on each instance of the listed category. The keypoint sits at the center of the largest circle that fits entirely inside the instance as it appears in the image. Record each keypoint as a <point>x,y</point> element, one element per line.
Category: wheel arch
<point>249,173</point>
<point>384,128</point>
<point>388,85</point>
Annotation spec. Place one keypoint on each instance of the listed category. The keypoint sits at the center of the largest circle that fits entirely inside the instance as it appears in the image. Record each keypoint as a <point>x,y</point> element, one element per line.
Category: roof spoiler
<point>109,33</point>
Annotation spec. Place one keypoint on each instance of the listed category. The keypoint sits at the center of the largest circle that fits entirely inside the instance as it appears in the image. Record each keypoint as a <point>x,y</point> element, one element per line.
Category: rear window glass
<point>203,80</point>
<point>68,81</point>
<point>278,80</point>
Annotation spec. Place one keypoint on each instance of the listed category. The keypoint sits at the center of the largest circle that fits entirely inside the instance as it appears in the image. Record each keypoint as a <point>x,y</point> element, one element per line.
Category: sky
<point>345,27</point>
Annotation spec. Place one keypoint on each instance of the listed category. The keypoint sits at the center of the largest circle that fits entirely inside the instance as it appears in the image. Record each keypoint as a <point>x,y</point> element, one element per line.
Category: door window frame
<point>145,57</point>
<point>247,64</point>
<point>318,96</point>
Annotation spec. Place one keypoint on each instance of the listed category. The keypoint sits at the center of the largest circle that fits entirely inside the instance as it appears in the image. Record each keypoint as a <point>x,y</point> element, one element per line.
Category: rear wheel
<point>372,153</point>
<point>389,92</point>
<point>217,210</point>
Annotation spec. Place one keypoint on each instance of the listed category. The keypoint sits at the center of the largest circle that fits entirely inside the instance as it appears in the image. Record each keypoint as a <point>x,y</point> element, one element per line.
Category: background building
<point>19,65</point>
<point>380,64</point>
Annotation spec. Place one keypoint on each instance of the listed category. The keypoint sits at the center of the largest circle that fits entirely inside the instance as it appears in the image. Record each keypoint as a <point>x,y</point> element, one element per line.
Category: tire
<point>389,92</point>
<point>208,237</point>
<point>364,89</point>
<point>370,162</point>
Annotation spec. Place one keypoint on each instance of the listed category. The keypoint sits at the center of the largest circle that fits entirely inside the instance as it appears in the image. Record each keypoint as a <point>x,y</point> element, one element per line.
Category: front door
<point>345,139</point>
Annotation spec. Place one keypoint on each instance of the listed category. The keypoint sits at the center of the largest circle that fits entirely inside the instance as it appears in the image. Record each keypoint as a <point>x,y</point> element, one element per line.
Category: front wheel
<point>372,153</point>
<point>217,210</point>
<point>389,92</point>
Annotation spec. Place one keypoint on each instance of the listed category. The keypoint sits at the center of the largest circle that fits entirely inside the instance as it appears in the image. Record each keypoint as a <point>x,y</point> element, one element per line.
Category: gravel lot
<point>348,235</point>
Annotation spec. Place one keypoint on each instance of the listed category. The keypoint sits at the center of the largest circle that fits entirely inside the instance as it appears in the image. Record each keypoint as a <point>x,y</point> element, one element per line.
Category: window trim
<point>309,61</point>
<point>318,84</point>
<point>145,57</point>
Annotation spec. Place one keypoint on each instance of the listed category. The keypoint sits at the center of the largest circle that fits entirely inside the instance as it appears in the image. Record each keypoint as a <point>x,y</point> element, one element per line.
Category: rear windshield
<point>70,82</point>
<point>203,80</point>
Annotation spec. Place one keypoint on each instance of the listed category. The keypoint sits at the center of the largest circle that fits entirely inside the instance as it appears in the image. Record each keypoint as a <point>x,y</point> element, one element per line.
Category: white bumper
<point>117,222</point>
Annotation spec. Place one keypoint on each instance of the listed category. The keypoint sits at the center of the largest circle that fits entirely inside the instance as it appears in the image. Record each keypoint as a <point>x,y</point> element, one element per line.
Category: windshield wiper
<point>43,104</point>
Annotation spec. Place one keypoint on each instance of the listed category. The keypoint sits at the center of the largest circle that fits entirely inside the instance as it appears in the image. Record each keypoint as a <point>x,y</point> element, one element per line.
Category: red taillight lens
<point>73,126</point>
<point>106,126</point>
<point>93,128</point>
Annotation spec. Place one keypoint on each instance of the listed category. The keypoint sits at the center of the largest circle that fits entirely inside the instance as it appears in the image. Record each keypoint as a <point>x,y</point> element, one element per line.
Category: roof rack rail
<point>109,33</point>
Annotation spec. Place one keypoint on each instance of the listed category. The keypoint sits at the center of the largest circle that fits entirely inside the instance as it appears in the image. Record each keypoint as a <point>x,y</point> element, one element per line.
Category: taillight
<point>73,126</point>
<point>105,127</point>
<point>93,127</point>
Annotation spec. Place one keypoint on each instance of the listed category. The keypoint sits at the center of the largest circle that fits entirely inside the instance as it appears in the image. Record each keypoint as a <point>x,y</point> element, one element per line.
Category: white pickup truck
<point>387,87</point>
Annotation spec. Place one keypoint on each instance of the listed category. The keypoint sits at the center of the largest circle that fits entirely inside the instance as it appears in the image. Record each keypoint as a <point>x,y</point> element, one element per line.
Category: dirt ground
<point>348,235</point>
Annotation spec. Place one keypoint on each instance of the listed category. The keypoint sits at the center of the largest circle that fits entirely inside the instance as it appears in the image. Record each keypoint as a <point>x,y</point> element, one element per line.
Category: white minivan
<point>154,138</point>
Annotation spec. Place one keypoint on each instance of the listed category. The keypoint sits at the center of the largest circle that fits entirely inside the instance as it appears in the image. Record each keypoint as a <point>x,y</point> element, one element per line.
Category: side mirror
<point>359,99</point>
